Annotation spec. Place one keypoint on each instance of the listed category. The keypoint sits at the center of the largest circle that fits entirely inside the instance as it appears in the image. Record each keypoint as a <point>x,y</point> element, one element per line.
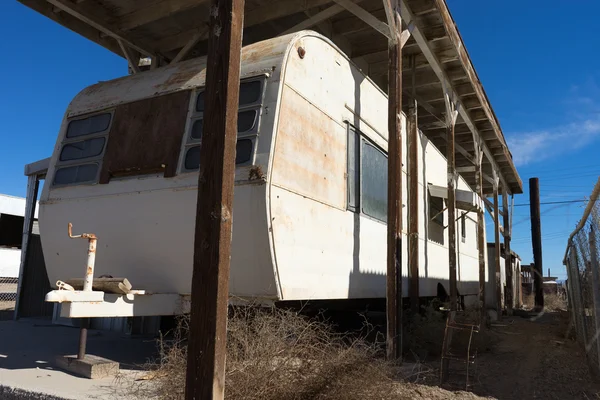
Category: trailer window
<point>248,125</point>
<point>250,93</point>
<point>463,227</point>
<point>436,210</point>
<point>76,174</point>
<point>89,125</point>
<point>243,154</point>
<point>374,182</point>
<point>82,149</point>
<point>367,176</point>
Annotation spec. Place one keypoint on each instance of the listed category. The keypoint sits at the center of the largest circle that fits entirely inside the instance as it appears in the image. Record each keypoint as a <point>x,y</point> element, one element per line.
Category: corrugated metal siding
<point>35,283</point>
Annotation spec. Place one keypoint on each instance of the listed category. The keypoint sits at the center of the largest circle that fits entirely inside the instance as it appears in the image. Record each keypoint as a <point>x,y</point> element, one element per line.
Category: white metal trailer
<point>310,185</point>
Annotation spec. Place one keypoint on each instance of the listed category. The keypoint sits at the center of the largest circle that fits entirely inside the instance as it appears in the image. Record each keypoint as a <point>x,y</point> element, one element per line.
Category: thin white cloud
<point>531,147</point>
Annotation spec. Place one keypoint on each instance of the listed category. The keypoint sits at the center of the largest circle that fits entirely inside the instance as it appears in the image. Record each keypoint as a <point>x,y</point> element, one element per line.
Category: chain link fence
<point>583,280</point>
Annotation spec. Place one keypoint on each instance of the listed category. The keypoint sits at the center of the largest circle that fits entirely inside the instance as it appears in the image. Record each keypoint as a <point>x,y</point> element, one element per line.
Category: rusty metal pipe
<point>88,282</point>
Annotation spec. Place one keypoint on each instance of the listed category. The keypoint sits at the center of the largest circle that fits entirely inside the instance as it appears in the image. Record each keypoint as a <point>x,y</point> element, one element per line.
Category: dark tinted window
<point>192,158</point>
<point>249,94</point>
<point>436,205</point>
<point>200,102</point>
<point>75,174</point>
<point>246,120</point>
<point>84,149</point>
<point>87,126</point>
<point>197,129</point>
<point>353,169</point>
<point>243,151</point>
<point>243,154</point>
<point>374,182</point>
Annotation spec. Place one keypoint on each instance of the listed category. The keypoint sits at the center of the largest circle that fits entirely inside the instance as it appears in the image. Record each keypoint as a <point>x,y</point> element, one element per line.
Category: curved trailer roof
<point>172,30</point>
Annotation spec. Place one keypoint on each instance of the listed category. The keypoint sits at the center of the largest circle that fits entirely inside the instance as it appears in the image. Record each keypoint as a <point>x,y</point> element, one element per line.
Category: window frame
<point>438,217</point>
<point>360,139</point>
<point>463,227</point>
<point>97,159</point>
<point>258,105</point>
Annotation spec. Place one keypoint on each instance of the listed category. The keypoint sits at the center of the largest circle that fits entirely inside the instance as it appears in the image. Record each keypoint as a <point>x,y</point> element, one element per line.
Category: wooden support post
<point>508,265</point>
<point>497,255</point>
<point>394,223</point>
<point>536,241</point>
<point>451,114</point>
<point>413,198</point>
<point>205,377</point>
<point>480,234</point>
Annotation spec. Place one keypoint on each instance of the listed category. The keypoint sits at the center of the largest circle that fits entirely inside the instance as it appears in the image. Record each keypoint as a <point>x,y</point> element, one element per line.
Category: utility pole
<point>394,219</point>
<point>536,241</point>
<point>205,378</point>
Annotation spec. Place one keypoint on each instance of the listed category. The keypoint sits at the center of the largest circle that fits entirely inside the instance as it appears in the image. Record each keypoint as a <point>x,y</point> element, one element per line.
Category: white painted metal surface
<point>13,205</point>
<point>10,259</point>
<point>293,237</point>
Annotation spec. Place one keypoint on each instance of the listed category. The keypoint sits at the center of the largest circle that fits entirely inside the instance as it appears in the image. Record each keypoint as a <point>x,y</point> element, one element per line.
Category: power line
<point>554,202</point>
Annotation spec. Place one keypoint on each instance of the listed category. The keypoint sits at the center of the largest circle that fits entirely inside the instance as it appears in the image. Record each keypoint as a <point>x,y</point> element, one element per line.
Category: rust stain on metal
<point>301,52</point>
<point>256,173</point>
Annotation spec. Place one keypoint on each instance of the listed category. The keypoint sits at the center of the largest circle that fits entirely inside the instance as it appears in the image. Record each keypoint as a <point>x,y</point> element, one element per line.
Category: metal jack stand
<point>448,354</point>
<point>90,366</point>
<point>88,282</point>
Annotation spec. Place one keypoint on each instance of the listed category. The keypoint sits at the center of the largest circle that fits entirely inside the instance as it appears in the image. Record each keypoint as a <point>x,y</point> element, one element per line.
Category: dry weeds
<point>552,302</point>
<point>278,354</point>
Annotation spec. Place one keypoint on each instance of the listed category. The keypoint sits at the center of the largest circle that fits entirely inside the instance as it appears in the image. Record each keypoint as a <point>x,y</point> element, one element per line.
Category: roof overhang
<point>173,30</point>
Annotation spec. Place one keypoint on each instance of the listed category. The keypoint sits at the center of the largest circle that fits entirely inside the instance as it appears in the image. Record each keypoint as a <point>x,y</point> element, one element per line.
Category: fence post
<point>595,290</point>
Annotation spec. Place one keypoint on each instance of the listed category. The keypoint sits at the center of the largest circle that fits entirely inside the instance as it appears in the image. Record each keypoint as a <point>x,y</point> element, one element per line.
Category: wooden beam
<point>202,32</point>
<point>129,56</point>
<point>205,375</point>
<point>83,14</point>
<point>456,40</point>
<point>413,199</point>
<point>443,77</point>
<point>394,225</point>
<point>148,13</point>
<point>462,170</point>
<point>258,15</point>
<point>315,19</point>
<point>367,17</point>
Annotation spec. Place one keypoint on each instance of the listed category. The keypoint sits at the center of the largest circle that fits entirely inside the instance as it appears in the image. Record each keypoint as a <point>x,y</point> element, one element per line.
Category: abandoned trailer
<point>311,176</point>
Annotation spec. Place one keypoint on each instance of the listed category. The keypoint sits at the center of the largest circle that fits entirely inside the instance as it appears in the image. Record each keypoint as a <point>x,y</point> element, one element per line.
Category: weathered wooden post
<point>536,239</point>
<point>413,195</point>
<point>508,265</point>
<point>205,377</point>
<point>394,219</point>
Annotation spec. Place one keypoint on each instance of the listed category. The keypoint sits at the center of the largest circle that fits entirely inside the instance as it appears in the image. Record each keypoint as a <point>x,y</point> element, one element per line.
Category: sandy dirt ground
<point>526,359</point>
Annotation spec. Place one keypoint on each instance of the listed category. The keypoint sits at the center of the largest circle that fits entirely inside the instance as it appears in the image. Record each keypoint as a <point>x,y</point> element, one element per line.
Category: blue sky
<point>537,61</point>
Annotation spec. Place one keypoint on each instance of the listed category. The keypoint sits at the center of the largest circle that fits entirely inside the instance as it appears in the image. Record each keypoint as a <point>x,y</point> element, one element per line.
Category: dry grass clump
<point>552,302</point>
<point>274,354</point>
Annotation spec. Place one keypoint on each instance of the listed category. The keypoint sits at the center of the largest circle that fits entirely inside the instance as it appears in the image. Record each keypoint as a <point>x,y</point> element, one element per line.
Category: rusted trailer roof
<point>170,30</point>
